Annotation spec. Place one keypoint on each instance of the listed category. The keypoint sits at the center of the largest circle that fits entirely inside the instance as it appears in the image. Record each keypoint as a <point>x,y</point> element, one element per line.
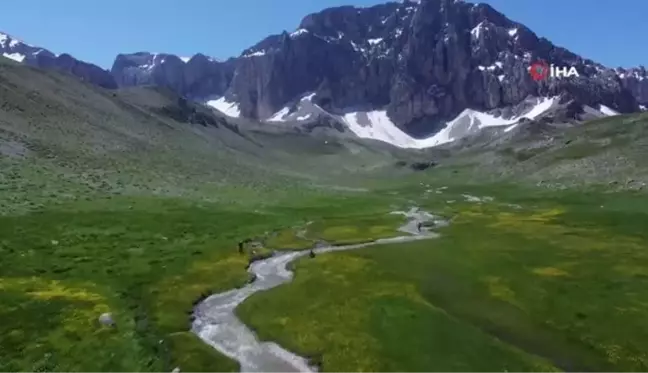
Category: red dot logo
<point>539,71</point>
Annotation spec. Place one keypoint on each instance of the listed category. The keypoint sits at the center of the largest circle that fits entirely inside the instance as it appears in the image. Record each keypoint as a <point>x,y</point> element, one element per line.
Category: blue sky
<point>609,31</point>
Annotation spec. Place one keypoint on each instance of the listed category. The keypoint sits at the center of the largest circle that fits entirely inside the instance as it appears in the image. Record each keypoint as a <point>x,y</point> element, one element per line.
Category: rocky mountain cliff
<point>636,81</point>
<point>198,77</point>
<point>19,51</point>
<point>423,60</point>
<point>419,63</point>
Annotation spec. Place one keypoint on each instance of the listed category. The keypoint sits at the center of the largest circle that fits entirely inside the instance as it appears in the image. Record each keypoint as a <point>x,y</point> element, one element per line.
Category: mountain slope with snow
<point>377,125</point>
<point>413,67</point>
<point>422,62</point>
<point>388,56</point>
<point>19,51</point>
<point>228,108</point>
<point>22,52</point>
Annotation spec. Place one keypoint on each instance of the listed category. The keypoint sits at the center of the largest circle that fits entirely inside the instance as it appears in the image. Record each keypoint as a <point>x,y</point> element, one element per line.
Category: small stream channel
<point>216,324</point>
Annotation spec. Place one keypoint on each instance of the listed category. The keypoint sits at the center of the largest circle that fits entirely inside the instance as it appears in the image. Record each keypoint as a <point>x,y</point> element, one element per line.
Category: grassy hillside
<point>63,139</point>
<point>609,151</point>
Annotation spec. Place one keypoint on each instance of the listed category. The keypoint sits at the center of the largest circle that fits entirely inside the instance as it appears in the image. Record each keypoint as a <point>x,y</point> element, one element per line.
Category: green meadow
<point>528,281</point>
<point>146,261</point>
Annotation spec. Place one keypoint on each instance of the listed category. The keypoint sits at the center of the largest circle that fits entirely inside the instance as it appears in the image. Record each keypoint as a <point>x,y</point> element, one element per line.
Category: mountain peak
<point>19,51</point>
<point>22,52</point>
<point>422,63</point>
<point>7,40</point>
<point>418,63</point>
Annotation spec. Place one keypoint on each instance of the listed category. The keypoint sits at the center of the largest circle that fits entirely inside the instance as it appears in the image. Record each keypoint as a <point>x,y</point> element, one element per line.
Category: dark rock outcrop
<point>422,166</point>
<point>189,112</point>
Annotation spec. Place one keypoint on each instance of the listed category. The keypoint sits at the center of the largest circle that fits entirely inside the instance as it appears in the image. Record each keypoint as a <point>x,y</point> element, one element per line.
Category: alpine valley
<point>379,189</point>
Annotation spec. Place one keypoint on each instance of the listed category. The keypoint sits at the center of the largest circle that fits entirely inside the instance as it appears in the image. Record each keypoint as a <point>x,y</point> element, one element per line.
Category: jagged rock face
<point>198,77</point>
<point>422,60</point>
<point>480,59</point>
<point>264,82</point>
<point>341,53</point>
<point>43,58</point>
<point>148,69</point>
<point>636,81</point>
<point>204,77</point>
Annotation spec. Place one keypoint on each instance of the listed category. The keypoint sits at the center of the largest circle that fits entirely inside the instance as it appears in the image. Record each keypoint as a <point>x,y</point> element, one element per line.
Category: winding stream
<point>216,324</point>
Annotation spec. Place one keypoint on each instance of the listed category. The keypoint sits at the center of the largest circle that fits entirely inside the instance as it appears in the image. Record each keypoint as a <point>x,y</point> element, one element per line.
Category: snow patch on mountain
<point>280,115</point>
<point>254,54</point>
<point>471,121</point>
<point>18,50</point>
<point>7,41</point>
<point>231,109</point>
<point>541,107</point>
<point>15,56</point>
<point>298,32</point>
<point>608,111</point>
<point>304,110</point>
<point>376,125</point>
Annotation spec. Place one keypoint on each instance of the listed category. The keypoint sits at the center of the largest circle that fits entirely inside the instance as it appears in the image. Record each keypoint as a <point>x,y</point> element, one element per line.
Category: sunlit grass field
<point>146,261</point>
<point>528,281</point>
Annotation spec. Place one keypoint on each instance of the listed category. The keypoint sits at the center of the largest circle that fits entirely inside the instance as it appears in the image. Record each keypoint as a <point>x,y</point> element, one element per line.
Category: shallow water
<point>216,324</point>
